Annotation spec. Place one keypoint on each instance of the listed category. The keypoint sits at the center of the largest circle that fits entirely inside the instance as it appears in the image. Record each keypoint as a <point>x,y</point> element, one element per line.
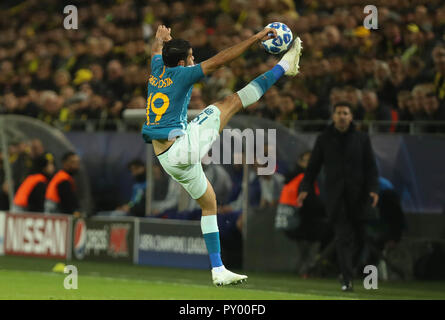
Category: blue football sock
<point>256,88</point>
<point>209,227</point>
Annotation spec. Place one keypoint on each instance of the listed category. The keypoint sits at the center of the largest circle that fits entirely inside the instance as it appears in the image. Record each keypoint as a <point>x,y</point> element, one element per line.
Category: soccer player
<point>179,145</point>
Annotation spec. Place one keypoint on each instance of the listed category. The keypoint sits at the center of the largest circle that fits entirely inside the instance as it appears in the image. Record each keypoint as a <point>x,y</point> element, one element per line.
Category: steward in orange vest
<point>30,195</point>
<point>61,194</point>
<point>311,216</point>
<point>289,193</point>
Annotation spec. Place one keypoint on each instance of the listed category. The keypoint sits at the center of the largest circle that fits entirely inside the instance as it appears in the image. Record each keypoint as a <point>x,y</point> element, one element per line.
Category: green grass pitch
<point>32,278</point>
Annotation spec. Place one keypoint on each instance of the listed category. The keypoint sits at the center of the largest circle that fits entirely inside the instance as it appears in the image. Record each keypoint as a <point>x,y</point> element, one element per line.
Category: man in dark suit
<point>351,183</point>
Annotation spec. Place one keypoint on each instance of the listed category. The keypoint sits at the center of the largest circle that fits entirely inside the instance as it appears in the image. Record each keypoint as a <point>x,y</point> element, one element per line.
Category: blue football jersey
<point>169,92</point>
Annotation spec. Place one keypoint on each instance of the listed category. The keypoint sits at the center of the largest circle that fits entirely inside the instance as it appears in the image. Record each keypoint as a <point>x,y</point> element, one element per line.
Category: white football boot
<point>226,277</point>
<point>292,57</point>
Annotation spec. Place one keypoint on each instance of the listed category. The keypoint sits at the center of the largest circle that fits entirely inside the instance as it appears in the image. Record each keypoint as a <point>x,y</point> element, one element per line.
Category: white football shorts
<point>182,161</point>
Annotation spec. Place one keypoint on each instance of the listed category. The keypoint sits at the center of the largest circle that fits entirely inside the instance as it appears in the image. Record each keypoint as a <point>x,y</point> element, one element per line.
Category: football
<point>281,42</point>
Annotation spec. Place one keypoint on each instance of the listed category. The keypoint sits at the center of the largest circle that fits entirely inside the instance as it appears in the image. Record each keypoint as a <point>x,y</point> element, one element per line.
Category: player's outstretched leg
<point>209,226</point>
<point>288,65</point>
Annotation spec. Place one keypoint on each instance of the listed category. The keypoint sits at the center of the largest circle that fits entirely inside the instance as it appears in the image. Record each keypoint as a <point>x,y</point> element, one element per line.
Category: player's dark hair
<point>343,104</point>
<point>67,155</point>
<point>174,51</point>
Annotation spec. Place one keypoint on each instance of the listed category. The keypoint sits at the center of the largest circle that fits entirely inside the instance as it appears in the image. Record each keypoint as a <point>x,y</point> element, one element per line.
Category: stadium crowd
<point>394,73</point>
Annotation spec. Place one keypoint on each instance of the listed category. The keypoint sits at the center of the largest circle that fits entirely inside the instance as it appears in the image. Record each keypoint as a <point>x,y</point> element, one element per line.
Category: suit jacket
<point>350,169</point>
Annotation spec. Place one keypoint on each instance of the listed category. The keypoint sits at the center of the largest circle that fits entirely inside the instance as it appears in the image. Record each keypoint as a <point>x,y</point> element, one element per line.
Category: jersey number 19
<point>159,111</point>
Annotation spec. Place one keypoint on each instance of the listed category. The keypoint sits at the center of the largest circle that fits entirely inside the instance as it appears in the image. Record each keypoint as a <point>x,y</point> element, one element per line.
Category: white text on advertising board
<point>189,245</point>
<point>38,236</point>
<point>97,241</point>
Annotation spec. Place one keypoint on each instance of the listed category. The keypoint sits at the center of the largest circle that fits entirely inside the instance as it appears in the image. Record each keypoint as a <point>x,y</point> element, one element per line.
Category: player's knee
<point>209,207</point>
<point>211,201</point>
<point>208,201</point>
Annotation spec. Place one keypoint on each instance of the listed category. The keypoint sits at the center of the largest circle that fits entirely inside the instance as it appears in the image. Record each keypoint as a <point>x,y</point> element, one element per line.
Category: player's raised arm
<point>162,35</point>
<point>235,51</point>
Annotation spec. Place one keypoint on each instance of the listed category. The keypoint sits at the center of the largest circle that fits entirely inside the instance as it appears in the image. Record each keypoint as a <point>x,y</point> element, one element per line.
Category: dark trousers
<point>349,234</point>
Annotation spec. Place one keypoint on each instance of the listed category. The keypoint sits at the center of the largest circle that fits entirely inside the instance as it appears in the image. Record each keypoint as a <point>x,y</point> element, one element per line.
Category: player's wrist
<point>158,40</point>
<point>258,36</point>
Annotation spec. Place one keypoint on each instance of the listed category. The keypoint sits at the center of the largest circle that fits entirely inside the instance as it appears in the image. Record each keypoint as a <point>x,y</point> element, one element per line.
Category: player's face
<point>190,58</point>
<point>342,118</point>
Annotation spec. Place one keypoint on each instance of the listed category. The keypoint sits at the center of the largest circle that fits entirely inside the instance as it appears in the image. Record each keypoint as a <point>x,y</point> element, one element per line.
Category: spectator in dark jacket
<point>404,100</point>
<point>434,110</point>
<point>351,183</point>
